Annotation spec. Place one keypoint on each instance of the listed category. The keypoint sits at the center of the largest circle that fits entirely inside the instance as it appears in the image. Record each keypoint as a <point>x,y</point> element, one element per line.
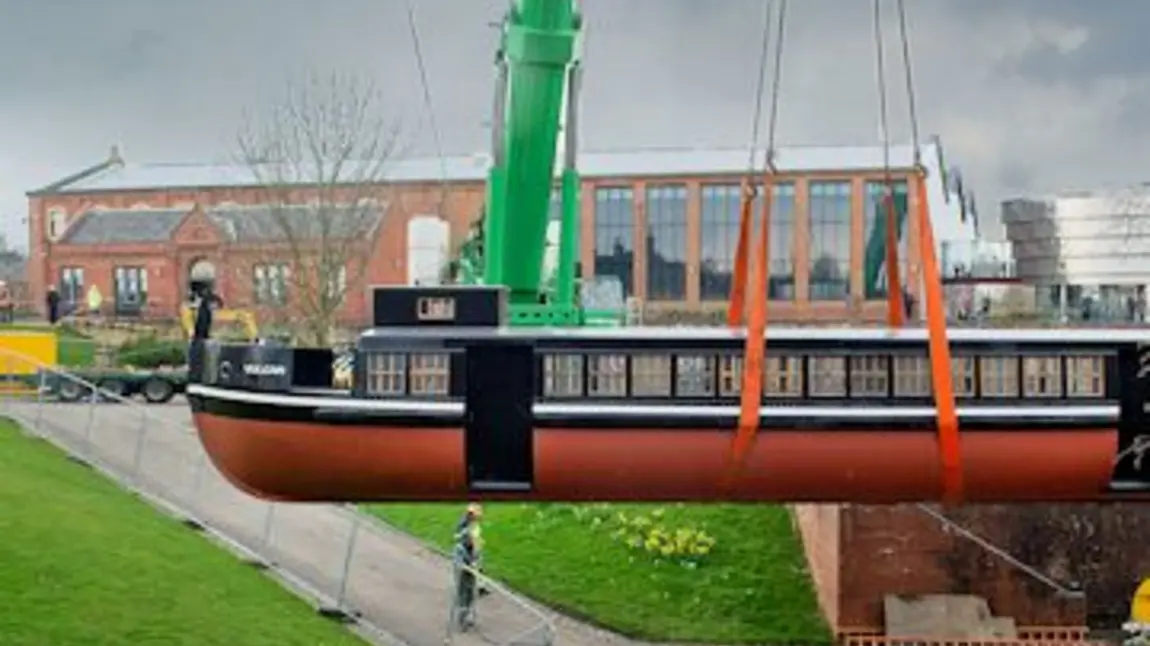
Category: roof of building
<point>124,226</point>
<point>661,162</point>
<point>275,222</point>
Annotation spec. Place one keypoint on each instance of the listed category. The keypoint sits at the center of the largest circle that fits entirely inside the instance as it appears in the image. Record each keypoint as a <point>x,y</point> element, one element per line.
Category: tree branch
<point>319,159</point>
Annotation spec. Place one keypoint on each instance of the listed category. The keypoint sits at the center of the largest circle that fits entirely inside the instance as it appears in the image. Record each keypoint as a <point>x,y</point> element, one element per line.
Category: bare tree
<point>319,158</point>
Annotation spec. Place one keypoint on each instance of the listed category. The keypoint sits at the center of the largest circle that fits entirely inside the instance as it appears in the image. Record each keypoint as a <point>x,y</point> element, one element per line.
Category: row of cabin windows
<point>650,375</point>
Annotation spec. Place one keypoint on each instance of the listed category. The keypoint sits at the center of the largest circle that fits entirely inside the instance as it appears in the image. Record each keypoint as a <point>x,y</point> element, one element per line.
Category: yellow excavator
<point>242,322</point>
<point>244,327</point>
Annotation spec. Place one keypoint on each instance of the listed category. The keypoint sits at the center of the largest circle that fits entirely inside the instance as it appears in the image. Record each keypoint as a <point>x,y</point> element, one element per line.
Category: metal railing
<point>354,567</point>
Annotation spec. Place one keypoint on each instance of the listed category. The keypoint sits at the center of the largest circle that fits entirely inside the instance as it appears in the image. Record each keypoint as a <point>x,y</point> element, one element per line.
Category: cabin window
<point>963,376</point>
<point>999,376</point>
<point>651,375</point>
<point>1086,377</point>
<point>607,375</point>
<point>828,376</point>
<point>386,373</point>
<point>913,377</point>
<point>869,376</point>
<point>730,375</point>
<point>1042,377</point>
<point>563,375</point>
<point>784,376</point>
<point>430,373</point>
<point>695,375</point>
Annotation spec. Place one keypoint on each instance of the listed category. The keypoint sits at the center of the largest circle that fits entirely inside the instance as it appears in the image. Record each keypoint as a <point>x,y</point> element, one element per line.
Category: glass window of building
<point>875,279</point>
<point>667,242</point>
<point>781,284</point>
<point>719,232</point>
<point>614,235</point>
<point>830,244</point>
<point>719,212</point>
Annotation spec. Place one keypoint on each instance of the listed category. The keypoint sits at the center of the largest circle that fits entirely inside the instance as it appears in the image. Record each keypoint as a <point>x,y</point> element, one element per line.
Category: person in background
<point>201,332</point>
<point>7,307</point>
<point>464,558</point>
<point>95,301</point>
<point>53,303</point>
<point>469,530</point>
<point>908,303</point>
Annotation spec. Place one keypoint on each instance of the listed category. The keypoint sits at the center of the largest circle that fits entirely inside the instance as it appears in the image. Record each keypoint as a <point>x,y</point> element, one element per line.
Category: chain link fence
<point>354,567</point>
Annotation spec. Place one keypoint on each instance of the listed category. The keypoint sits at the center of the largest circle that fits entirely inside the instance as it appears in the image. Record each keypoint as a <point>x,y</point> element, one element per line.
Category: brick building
<point>857,554</point>
<point>153,228</point>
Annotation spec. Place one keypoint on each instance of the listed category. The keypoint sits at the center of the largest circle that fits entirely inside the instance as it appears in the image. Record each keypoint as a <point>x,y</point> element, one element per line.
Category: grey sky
<point>1027,94</point>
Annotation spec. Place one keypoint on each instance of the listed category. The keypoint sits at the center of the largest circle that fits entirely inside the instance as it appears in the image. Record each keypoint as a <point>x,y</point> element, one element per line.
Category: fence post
<point>138,456</point>
<point>91,421</point>
<point>198,479</point>
<point>349,553</point>
<point>266,538</point>
<point>40,400</point>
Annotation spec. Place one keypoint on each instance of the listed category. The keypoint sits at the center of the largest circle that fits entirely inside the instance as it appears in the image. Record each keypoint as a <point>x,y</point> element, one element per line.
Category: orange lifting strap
<point>895,308</point>
<point>736,306</point>
<point>949,447</point>
<point>754,349</point>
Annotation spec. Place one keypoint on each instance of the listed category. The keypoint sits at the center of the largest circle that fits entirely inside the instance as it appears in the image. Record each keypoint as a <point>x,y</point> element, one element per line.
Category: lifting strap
<point>942,376</point>
<point>949,446</point>
<point>895,307</point>
<point>896,310</point>
<point>736,306</point>
<point>755,346</point>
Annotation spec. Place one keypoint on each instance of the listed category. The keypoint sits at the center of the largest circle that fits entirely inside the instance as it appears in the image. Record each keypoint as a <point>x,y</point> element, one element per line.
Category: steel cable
<point>428,103</point>
<point>912,107</point>
<point>760,87</point>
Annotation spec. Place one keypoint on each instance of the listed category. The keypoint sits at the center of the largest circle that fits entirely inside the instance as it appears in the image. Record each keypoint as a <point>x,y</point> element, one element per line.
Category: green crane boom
<point>537,80</point>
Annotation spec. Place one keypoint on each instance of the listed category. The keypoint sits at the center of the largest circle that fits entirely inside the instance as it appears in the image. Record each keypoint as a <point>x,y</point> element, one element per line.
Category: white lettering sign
<point>264,370</point>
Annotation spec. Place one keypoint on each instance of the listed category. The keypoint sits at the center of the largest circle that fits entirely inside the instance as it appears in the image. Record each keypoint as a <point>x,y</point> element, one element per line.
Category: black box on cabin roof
<point>439,306</point>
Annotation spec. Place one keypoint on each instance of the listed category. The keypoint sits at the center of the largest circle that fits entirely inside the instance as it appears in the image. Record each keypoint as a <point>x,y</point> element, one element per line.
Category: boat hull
<point>290,460</point>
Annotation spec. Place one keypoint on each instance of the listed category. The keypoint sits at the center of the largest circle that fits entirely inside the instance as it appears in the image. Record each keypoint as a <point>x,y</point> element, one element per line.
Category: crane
<point>536,95</point>
<point>445,409</point>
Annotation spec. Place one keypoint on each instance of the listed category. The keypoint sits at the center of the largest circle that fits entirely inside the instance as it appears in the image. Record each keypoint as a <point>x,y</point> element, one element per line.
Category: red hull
<point>321,462</point>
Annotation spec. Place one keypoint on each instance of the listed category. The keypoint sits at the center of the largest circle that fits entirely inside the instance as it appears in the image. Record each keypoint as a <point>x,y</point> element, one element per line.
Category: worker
<point>908,303</point>
<point>201,332</point>
<point>95,300</point>
<point>469,530</point>
<point>53,303</point>
<point>7,307</point>
<point>465,559</point>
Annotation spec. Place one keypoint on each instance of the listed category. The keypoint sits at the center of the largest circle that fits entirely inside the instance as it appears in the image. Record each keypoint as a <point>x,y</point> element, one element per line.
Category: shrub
<point>151,352</point>
<point>647,533</point>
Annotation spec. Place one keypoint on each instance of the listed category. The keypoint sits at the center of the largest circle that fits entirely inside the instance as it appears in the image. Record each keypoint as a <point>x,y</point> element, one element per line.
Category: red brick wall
<point>461,203</point>
<point>169,263</point>
<point>858,553</point>
<point>819,526</point>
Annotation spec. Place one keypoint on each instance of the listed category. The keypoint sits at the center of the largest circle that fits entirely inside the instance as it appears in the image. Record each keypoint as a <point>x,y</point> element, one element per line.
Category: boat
<point>623,414</point>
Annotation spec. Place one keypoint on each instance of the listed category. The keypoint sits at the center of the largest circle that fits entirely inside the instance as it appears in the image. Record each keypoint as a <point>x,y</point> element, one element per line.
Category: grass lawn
<point>86,563</point>
<point>712,573</point>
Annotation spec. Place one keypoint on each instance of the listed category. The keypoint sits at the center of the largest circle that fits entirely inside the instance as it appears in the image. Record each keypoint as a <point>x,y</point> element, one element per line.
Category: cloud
<point>1027,95</point>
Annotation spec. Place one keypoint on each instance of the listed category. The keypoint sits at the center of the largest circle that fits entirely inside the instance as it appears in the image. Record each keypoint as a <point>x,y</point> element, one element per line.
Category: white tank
<point>428,242</point>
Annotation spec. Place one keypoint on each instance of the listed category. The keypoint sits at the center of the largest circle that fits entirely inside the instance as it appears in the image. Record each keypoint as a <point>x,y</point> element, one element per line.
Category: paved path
<point>397,583</point>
